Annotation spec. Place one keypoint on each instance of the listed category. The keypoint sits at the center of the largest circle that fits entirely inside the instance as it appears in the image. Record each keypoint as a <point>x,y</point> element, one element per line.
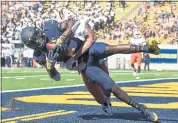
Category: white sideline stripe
<point>7,77</point>
<point>80,85</point>
<point>132,73</point>
<point>31,72</point>
<point>20,78</point>
<point>70,79</point>
<point>157,74</point>
<point>121,71</point>
<point>45,79</point>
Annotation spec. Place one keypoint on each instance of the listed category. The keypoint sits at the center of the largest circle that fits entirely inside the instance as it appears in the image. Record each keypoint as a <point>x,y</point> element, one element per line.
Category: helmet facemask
<point>38,40</point>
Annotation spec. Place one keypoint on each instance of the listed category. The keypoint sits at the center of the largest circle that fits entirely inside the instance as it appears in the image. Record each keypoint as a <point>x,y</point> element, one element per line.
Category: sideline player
<point>90,59</point>
<point>137,39</point>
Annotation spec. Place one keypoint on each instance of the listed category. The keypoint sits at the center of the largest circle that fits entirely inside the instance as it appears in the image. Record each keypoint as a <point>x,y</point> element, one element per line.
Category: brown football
<point>50,45</point>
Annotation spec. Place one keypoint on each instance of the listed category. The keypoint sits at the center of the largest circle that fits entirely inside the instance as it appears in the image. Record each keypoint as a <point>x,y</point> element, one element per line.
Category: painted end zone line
<point>80,85</point>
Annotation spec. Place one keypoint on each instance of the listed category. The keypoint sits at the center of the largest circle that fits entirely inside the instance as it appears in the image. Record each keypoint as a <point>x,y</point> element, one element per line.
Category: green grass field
<point>27,78</point>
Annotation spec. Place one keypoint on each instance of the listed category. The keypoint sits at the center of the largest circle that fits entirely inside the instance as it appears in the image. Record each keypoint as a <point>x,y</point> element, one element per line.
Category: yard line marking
<point>157,74</point>
<point>45,79</point>
<point>32,71</point>
<point>132,73</point>
<point>70,79</point>
<point>39,116</point>
<point>7,77</point>
<point>80,85</point>
<point>48,115</point>
<point>20,78</point>
<point>73,72</point>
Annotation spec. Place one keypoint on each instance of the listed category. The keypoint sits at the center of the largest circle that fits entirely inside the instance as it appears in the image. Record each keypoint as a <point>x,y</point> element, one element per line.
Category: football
<point>50,45</point>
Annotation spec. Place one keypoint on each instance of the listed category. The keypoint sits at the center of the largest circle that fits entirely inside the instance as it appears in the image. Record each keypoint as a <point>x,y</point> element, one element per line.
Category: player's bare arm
<point>89,34</point>
<point>66,28</point>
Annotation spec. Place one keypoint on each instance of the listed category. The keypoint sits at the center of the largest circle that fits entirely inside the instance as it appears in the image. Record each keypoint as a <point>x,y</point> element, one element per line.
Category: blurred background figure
<point>136,39</point>
<point>146,58</point>
<point>123,3</point>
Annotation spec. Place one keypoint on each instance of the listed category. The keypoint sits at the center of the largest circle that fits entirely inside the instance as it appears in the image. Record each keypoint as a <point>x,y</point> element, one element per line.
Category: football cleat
<point>150,115</point>
<point>143,109</point>
<point>107,108</point>
<point>137,76</point>
<point>153,47</point>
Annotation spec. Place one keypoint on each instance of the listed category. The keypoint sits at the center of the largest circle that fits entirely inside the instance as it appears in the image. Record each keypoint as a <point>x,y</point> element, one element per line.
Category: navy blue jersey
<point>73,44</point>
<point>50,28</point>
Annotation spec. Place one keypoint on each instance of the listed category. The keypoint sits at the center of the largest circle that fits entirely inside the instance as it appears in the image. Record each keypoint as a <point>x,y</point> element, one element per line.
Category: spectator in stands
<point>123,3</point>
<point>176,26</point>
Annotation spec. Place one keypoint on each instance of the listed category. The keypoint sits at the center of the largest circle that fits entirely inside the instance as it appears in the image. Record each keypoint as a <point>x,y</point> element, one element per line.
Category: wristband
<point>60,39</point>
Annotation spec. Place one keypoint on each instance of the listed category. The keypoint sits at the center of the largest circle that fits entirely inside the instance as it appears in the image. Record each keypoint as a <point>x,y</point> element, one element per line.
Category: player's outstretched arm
<point>89,34</point>
<point>50,61</point>
<point>43,60</point>
<point>66,28</point>
<point>53,73</point>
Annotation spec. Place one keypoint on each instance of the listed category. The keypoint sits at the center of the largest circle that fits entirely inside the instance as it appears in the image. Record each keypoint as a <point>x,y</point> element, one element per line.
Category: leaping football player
<point>87,55</point>
<point>50,34</point>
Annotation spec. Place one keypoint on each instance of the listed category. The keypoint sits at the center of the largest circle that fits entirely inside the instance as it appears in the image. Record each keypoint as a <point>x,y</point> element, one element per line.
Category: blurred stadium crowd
<point>155,19</point>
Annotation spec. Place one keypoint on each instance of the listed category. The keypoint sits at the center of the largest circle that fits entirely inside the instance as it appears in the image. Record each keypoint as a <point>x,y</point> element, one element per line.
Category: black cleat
<point>107,108</point>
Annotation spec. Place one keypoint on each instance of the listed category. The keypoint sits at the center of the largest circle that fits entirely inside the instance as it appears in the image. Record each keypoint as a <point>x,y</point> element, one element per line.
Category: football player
<point>36,39</point>
<point>70,23</point>
<point>137,39</point>
<point>93,52</point>
<point>87,58</point>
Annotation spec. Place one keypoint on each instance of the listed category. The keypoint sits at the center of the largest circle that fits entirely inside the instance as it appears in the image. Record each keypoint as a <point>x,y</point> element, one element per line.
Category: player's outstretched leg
<point>107,106</point>
<point>132,61</point>
<point>139,61</point>
<point>96,74</point>
<point>150,47</point>
<point>123,96</point>
<point>101,96</point>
